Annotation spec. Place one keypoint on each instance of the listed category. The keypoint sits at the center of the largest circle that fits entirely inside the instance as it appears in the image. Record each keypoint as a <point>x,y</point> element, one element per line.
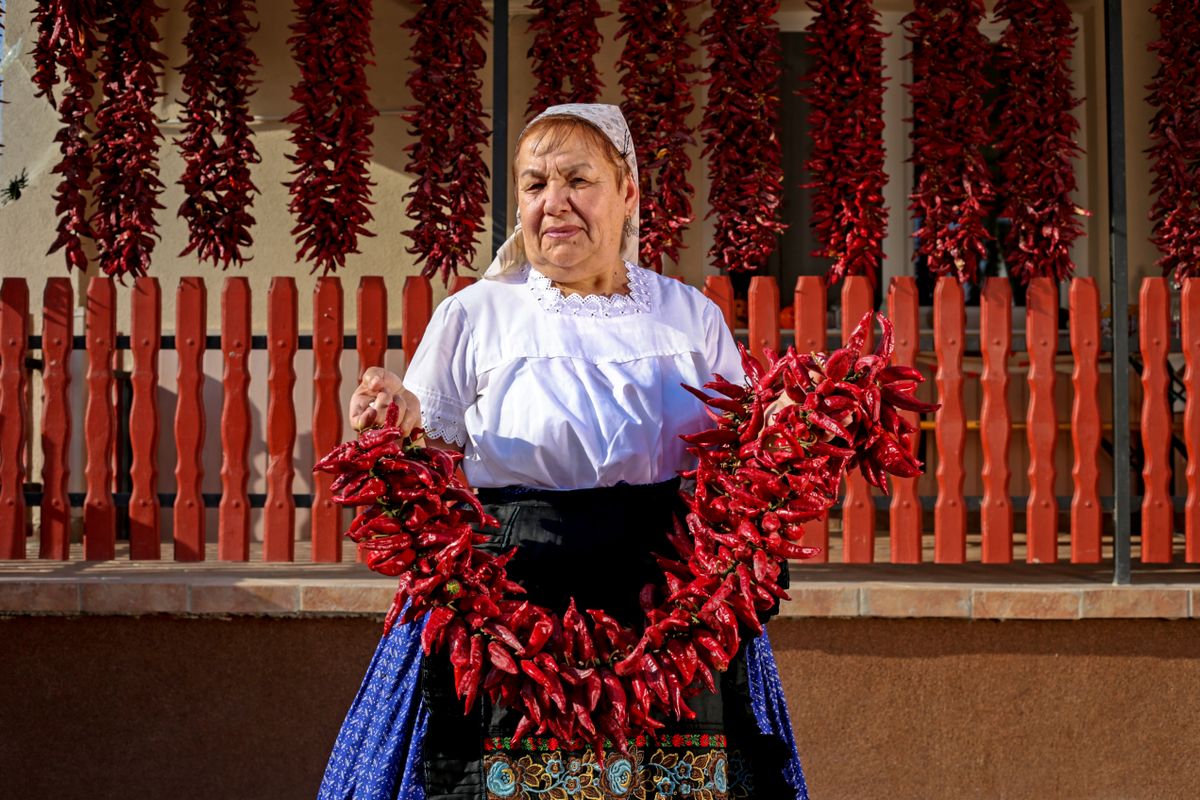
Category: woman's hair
<point>552,131</point>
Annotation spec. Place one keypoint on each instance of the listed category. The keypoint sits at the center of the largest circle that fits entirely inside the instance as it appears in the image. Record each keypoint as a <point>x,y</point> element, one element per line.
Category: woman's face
<point>573,208</point>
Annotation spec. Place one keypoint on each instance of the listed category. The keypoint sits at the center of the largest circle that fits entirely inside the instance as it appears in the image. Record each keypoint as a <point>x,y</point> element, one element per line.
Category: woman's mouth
<point>564,232</point>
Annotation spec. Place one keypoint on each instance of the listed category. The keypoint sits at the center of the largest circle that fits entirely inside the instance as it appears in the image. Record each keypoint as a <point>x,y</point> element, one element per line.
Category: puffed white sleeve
<point>722,352</point>
<point>442,373</point>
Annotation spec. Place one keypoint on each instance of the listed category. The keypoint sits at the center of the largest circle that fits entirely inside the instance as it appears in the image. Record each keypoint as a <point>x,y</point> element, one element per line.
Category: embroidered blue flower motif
<point>574,766</point>
<point>501,780</point>
<point>620,776</point>
<point>554,764</point>
<point>719,779</point>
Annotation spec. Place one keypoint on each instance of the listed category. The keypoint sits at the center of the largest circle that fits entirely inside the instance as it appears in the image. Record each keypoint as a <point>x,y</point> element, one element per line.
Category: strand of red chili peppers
<point>125,147</point>
<point>565,44</point>
<point>656,82</point>
<point>1175,131</point>
<point>1036,138</point>
<point>583,676</point>
<point>740,131</point>
<point>66,39</point>
<point>332,126</point>
<point>217,146</point>
<point>950,129</point>
<point>450,186</point>
<point>845,93</point>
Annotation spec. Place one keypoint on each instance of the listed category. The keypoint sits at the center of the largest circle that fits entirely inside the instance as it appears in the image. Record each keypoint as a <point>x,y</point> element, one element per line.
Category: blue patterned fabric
<point>377,755</point>
<point>770,707</point>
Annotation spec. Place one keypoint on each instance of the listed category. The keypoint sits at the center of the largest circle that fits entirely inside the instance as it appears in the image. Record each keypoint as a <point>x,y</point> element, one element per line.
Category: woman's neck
<point>607,282</point>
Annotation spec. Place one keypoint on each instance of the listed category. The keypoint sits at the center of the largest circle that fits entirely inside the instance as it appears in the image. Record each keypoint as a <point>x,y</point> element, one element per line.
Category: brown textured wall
<point>115,707</point>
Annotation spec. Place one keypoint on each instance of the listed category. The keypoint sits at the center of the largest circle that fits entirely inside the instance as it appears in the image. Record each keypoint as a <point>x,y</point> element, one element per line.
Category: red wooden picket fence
<point>858,518</point>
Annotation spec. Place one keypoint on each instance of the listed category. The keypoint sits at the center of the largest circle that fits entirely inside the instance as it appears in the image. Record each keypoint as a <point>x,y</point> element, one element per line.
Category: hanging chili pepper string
<point>740,132</point>
<point>782,443</point>
<point>66,40</point>
<point>450,179</point>
<point>656,82</point>
<point>332,126</point>
<point>127,137</point>
<point>217,145</point>
<point>565,44</point>
<point>954,190</point>
<point>1175,133</point>
<point>1036,138</point>
<point>845,94</point>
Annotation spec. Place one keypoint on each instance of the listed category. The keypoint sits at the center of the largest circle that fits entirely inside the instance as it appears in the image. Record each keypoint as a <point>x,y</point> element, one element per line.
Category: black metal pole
<point>1118,259</point>
<point>499,124</point>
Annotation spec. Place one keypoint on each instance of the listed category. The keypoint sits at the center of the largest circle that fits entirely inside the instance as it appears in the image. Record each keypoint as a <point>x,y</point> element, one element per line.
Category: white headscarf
<point>611,122</point>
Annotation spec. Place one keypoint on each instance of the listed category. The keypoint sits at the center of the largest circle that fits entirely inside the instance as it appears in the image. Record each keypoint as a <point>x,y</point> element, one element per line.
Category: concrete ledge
<point>315,590</point>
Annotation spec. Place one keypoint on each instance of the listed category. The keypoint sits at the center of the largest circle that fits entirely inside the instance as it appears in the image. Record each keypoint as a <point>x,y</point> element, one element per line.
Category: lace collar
<point>551,299</point>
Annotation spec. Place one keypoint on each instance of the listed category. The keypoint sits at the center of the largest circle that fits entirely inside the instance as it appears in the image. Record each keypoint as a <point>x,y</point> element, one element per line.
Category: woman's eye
<point>534,187</point>
<point>578,182</point>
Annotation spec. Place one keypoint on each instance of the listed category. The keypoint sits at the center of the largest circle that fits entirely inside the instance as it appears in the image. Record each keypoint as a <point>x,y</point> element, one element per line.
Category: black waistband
<point>619,493</point>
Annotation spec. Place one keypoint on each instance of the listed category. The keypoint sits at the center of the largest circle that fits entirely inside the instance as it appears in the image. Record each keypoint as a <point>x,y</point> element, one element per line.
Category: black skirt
<point>596,546</point>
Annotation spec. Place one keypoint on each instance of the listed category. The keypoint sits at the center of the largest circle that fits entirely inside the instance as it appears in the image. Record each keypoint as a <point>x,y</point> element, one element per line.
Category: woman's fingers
<point>410,410</point>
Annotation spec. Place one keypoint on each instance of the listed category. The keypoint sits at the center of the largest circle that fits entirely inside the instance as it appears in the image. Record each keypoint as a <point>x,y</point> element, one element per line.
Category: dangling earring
<point>628,229</point>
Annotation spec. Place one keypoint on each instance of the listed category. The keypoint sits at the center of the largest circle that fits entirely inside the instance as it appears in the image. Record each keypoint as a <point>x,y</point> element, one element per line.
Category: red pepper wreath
<point>127,137</point>
<point>845,92</point>
<point>565,44</point>
<point>1036,138</point>
<point>66,40</point>
<point>333,122</point>
<point>1175,131</point>
<point>656,80</point>
<point>450,185</point>
<point>216,144</point>
<point>954,190</point>
<point>582,676</point>
<point>741,132</point>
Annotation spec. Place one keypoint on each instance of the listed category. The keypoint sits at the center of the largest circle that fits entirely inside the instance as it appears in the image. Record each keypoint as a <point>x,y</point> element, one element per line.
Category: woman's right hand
<point>379,388</point>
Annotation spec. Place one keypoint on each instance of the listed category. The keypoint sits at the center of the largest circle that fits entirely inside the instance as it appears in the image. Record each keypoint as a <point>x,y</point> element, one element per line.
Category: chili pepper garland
<point>216,144</point>
<point>332,126</point>
<point>1036,138</point>
<point>125,147</point>
<point>565,44</point>
<point>740,131</point>
<point>583,676</point>
<point>950,129</point>
<point>66,40</point>
<point>450,187</point>
<point>656,81</point>
<point>1175,131</point>
<point>845,92</point>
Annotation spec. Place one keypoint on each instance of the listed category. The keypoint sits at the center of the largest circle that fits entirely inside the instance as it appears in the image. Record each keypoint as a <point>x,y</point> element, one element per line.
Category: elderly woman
<point>559,378</point>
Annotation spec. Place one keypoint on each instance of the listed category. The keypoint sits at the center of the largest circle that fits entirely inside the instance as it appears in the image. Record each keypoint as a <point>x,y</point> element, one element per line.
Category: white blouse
<point>570,392</point>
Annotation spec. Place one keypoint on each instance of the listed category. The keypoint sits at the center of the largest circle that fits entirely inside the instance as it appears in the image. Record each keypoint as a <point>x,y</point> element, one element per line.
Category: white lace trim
<point>445,427</point>
<point>552,299</point>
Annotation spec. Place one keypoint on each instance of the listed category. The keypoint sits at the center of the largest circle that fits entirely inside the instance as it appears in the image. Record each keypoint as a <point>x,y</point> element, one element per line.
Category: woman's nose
<point>557,195</point>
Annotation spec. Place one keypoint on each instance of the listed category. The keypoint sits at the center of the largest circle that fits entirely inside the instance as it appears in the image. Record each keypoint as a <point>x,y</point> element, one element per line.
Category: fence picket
<point>417,300</point>
<point>372,322</point>
<point>327,411</point>
<point>279,514</point>
<point>191,319</point>
<point>763,310</point>
<point>1155,337</point>
<point>1086,520</point>
<point>233,539</point>
<point>809,307</point>
<point>145,526</point>
<point>719,289</point>
<point>14,340</point>
<point>99,513</point>
<point>58,331</point>
<point>858,509</point>
<point>1041,421</point>
<point>950,425</point>
<point>995,332</point>
<point>1190,331</point>
<point>905,518</point>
